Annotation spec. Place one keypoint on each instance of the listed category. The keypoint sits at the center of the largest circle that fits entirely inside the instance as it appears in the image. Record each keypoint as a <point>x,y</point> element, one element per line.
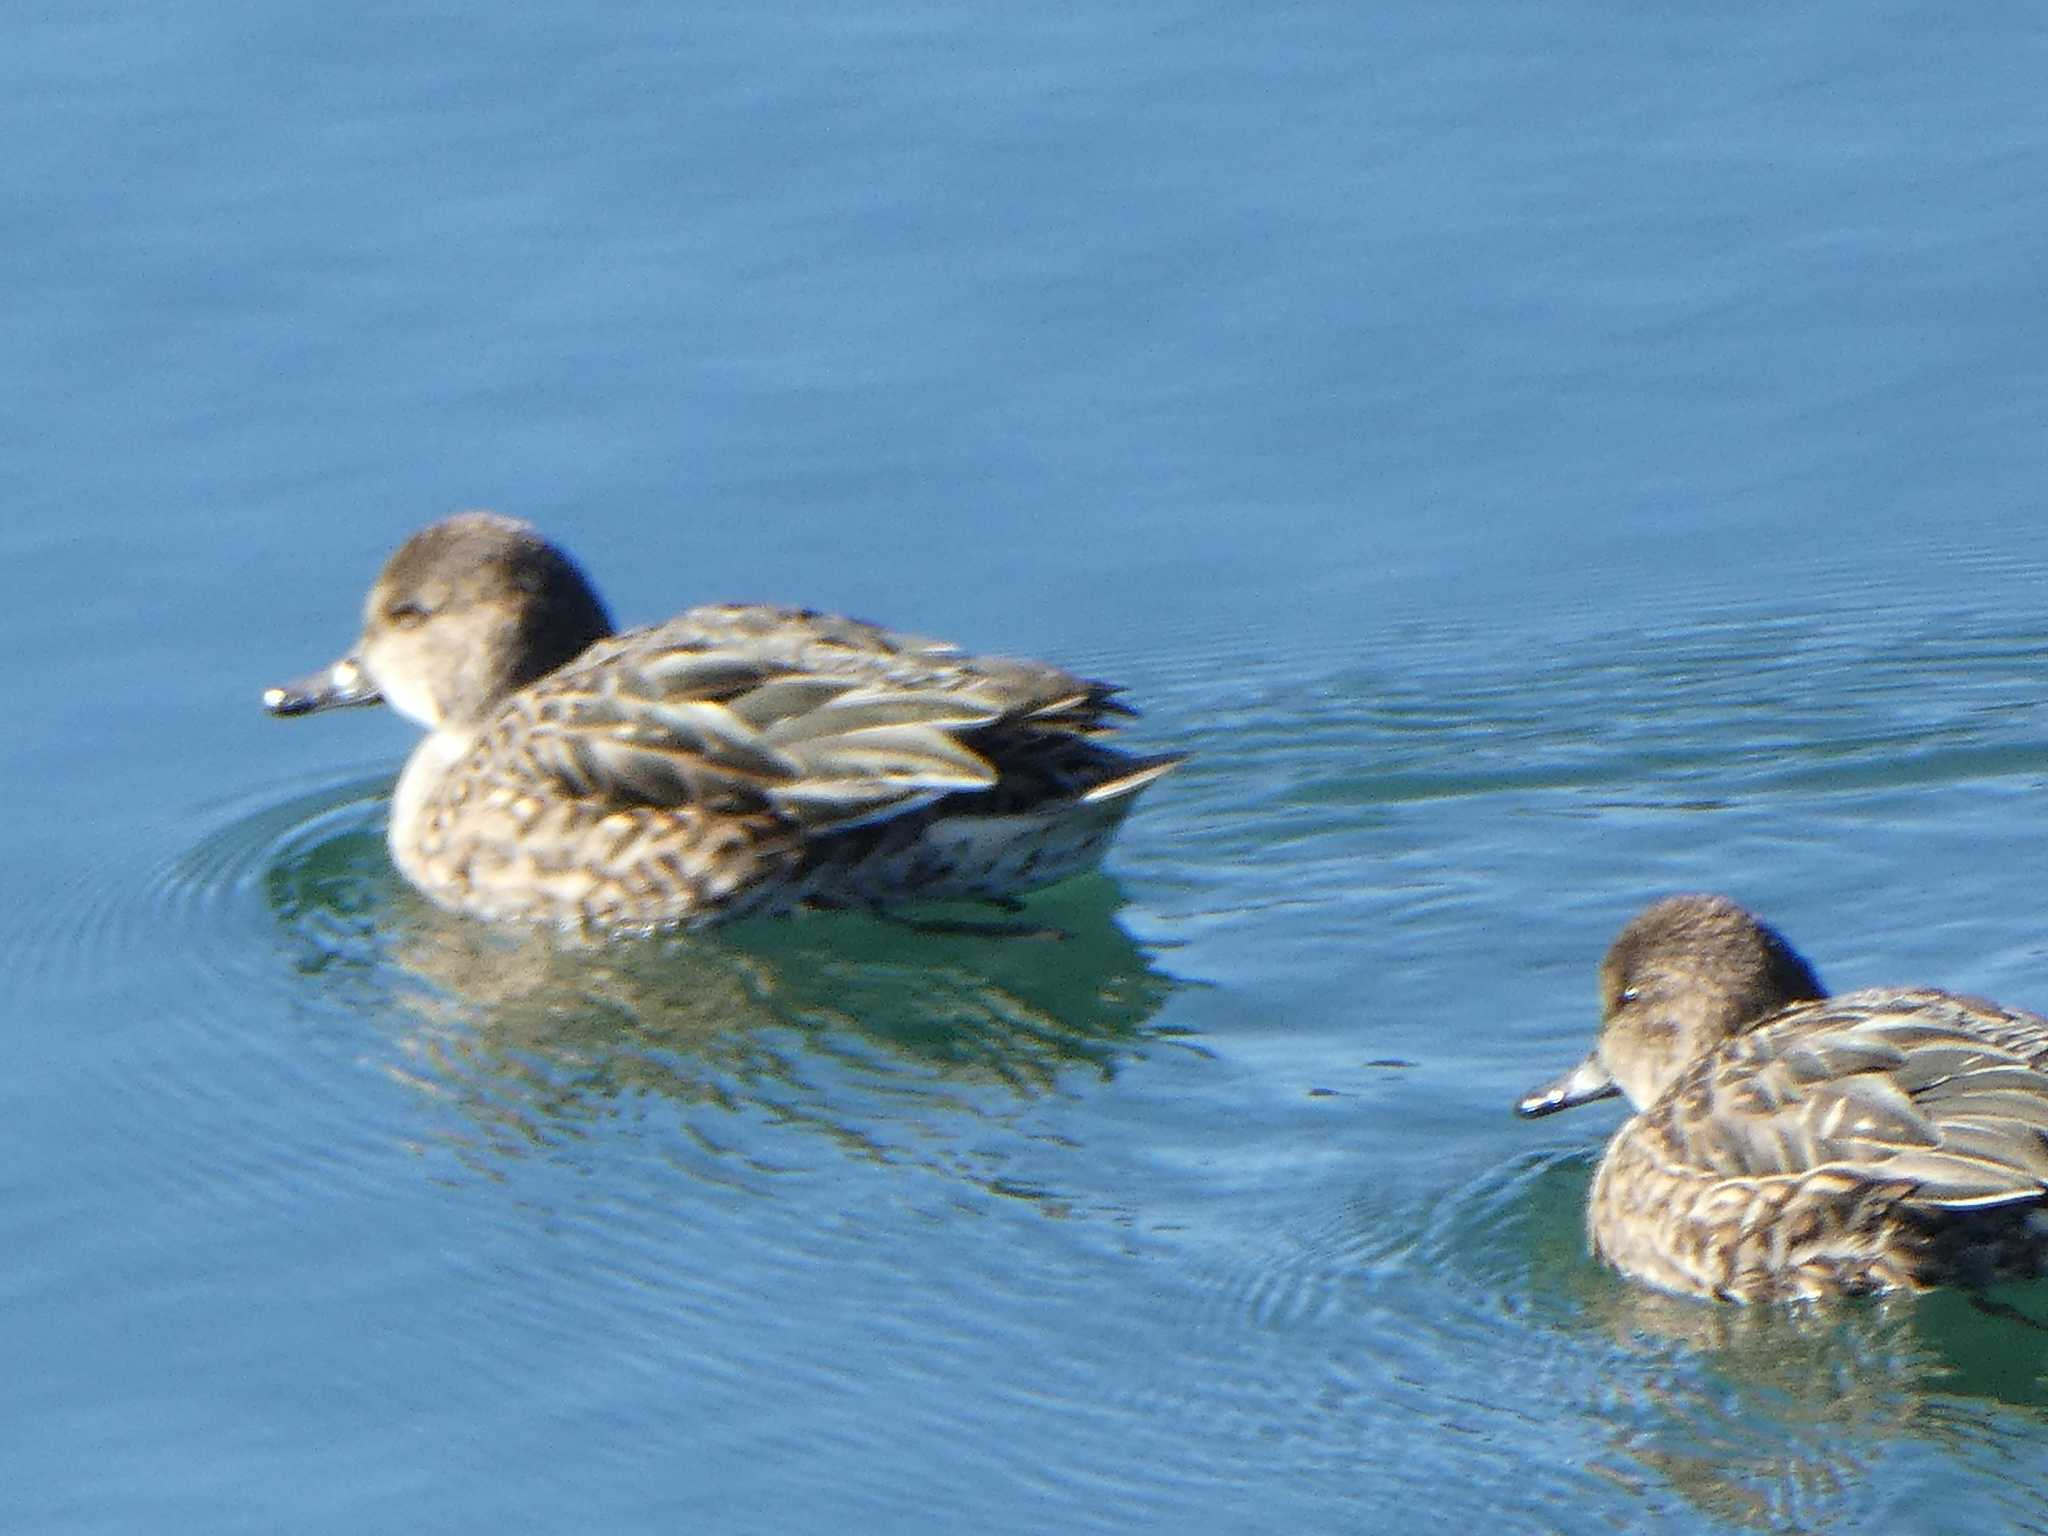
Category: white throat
<point>408,694</point>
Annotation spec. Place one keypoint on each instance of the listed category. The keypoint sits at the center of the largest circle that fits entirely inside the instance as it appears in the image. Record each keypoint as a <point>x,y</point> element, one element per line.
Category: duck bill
<point>1582,1085</point>
<point>337,687</point>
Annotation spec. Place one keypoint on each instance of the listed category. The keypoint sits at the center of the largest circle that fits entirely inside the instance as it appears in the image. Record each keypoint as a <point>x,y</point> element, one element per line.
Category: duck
<point>735,760</point>
<point>1787,1144</point>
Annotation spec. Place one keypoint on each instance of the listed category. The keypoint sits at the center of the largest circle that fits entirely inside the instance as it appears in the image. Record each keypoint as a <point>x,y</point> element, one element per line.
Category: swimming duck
<point>734,760</point>
<point>1789,1144</point>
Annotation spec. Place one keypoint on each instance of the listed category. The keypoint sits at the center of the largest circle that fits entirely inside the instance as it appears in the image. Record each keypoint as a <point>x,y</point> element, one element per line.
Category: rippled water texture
<point>1534,461</point>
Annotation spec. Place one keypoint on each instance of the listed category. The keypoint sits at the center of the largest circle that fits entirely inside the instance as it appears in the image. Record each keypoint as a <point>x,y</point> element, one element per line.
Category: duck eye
<point>407,615</point>
<point>1628,995</point>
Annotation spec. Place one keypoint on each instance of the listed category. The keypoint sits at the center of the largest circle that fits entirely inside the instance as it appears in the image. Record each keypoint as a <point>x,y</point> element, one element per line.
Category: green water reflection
<point>849,1025</point>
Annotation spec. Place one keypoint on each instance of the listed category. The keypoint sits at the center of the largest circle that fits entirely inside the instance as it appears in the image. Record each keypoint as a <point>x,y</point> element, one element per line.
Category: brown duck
<point>1790,1144</point>
<point>733,760</point>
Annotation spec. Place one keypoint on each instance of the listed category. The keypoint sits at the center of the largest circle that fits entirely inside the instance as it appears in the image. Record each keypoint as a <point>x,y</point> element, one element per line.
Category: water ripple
<point>741,1057</point>
<point>629,1121</point>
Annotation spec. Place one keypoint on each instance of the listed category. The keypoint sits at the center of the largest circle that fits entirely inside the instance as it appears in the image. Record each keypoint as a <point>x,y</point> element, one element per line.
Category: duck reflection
<point>1757,1415</point>
<point>847,1024</point>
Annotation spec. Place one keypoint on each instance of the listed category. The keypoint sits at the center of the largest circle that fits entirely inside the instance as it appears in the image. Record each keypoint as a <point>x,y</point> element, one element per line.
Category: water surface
<point>1535,460</point>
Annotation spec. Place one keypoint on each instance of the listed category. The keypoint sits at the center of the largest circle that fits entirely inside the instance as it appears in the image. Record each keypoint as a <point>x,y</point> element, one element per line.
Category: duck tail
<point>1143,772</point>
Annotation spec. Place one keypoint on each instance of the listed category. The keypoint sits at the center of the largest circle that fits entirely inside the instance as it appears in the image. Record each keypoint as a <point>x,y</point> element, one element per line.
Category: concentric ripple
<point>738,1055</point>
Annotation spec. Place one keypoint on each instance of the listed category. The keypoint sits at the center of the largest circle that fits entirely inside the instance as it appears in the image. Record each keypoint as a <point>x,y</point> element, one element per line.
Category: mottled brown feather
<point>735,758</point>
<point>1782,1148</point>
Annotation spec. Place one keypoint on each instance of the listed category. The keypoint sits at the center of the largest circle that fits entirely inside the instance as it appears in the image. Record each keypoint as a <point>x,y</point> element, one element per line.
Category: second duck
<point>1790,1144</point>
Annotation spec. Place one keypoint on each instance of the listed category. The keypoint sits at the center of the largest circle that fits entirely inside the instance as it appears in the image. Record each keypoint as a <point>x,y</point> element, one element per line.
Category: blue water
<point>1536,458</point>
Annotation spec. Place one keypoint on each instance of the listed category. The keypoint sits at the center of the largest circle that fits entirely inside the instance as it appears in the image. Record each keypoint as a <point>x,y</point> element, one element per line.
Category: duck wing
<point>1943,1095</point>
<point>803,640</point>
<point>829,722</point>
